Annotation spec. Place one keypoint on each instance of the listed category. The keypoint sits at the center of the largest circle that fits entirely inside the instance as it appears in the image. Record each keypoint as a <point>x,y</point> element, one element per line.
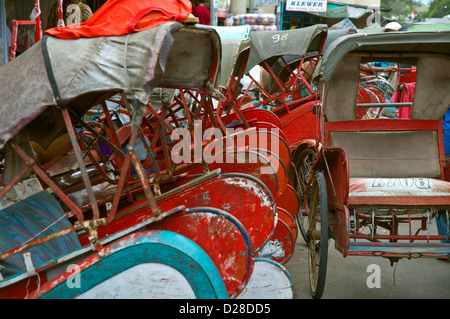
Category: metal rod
<point>120,186</point>
<point>38,32</point>
<point>399,237</point>
<point>33,243</point>
<point>48,181</point>
<point>373,222</point>
<point>366,105</point>
<point>146,187</point>
<point>80,160</point>
<point>16,179</point>
<point>409,222</point>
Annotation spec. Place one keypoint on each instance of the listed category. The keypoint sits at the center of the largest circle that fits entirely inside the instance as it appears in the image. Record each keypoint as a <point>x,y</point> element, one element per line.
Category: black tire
<point>318,235</point>
<point>303,168</point>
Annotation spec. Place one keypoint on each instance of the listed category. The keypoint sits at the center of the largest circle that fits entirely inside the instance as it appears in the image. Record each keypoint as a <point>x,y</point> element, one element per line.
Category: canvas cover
<point>429,51</point>
<point>271,45</point>
<point>234,52</point>
<point>410,42</point>
<point>88,70</point>
<point>335,34</point>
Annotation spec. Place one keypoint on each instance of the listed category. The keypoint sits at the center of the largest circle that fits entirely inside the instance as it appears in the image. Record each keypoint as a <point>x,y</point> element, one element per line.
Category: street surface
<point>422,278</point>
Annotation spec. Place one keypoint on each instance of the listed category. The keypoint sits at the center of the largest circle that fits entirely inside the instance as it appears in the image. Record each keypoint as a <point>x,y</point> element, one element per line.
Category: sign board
<point>306,5</point>
<point>262,3</point>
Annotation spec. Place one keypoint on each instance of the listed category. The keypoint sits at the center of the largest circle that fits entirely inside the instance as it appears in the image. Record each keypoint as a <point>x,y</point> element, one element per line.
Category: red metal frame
<point>15,28</point>
<point>343,224</point>
<point>94,222</point>
<point>16,23</point>
<point>388,125</point>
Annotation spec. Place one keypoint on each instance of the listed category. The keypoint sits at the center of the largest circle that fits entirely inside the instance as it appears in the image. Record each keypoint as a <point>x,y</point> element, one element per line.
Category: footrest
<point>414,250</point>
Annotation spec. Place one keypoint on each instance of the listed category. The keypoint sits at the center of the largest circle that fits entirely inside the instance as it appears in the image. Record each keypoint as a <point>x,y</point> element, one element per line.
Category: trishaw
<point>82,222</point>
<point>267,128</point>
<point>270,152</point>
<point>375,185</point>
<point>286,60</point>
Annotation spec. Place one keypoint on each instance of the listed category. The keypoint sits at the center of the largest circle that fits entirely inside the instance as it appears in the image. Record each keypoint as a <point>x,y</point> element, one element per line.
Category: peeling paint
<point>251,187</point>
<point>273,249</point>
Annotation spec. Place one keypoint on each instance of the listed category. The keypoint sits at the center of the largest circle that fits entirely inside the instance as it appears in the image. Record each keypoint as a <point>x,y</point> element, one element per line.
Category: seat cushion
<point>398,187</point>
<point>390,154</point>
<point>399,191</point>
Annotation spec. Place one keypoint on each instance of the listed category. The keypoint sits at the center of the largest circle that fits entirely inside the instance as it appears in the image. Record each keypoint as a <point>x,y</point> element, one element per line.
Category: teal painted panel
<point>162,247</point>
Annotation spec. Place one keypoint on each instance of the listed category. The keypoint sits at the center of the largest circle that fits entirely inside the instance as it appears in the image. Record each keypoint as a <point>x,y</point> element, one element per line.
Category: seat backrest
<point>390,153</point>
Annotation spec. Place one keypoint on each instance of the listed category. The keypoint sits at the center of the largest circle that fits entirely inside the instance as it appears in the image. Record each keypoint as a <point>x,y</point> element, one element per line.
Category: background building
<point>358,11</point>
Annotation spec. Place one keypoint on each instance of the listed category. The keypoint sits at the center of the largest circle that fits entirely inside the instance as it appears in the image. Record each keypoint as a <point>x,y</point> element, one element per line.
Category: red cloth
<point>404,93</point>
<point>202,13</point>
<point>121,17</point>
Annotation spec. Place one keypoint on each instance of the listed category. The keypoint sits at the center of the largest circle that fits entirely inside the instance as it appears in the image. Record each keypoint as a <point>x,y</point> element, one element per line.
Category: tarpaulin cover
<point>86,69</point>
<point>334,34</point>
<point>22,221</point>
<point>121,17</point>
<point>233,54</point>
<point>271,45</point>
<point>429,51</point>
<point>432,42</point>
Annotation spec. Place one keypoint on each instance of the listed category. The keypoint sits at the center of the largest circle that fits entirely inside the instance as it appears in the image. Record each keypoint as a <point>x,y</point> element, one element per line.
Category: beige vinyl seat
<point>396,166</point>
<point>400,164</point>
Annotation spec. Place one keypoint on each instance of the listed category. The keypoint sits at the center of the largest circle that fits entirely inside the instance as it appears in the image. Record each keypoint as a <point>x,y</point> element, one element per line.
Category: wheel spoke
<point>318,234</point>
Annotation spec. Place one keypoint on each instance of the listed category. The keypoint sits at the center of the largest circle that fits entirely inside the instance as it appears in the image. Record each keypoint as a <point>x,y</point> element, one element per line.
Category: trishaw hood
<point>86,71</point>
<point>271,45</point>
<point>339,70</point>
<point>414,42</point>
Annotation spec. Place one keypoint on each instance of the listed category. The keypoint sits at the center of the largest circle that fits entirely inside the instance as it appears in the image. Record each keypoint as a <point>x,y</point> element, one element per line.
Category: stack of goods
<point>258,21</point>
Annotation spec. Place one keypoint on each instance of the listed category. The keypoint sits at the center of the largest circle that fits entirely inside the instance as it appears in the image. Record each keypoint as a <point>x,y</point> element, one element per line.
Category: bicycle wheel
<point>318,235</point>
<point>303,170</point>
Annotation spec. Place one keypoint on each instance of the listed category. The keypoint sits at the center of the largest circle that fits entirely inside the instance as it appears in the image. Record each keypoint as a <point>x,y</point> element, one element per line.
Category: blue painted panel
<point>442,226</point>
<point>436,249</point>
<point>22,221</point>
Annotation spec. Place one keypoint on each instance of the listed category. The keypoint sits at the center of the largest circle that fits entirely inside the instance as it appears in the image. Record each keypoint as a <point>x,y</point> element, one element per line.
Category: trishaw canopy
<point>271,45</point>
<point>428,51</point>
<point>86,71</point>
<point>232,58</point>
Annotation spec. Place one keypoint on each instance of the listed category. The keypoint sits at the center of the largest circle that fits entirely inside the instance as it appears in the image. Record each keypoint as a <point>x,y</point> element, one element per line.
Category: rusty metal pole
<point>80,161</point>
<point>47,180</point>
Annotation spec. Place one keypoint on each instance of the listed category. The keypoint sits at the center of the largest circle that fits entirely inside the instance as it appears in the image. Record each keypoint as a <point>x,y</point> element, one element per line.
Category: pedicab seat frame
<point>384,166</point>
